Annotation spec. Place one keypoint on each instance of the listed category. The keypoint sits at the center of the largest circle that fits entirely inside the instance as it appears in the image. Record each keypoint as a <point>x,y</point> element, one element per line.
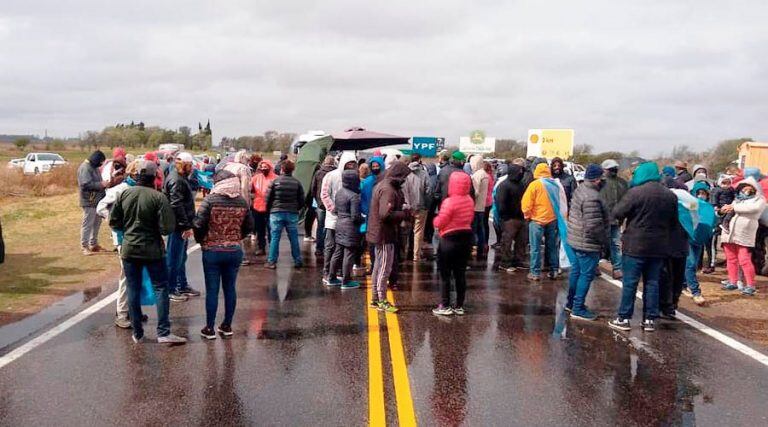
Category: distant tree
<point>724,153</point>
<point>141,126</point>
<point>21,143</point>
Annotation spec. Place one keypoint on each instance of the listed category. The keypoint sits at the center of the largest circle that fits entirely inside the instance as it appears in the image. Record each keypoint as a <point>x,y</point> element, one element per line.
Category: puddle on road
<point>14,332</point>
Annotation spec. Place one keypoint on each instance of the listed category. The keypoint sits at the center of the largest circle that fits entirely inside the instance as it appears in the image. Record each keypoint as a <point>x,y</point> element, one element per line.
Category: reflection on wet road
<point>304,354</point>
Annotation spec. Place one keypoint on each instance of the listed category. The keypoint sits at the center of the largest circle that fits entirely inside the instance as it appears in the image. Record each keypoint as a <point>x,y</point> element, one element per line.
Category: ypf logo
<point>477,137</point>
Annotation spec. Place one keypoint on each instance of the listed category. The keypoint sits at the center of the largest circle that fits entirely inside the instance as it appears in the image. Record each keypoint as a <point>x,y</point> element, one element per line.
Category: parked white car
<point>36,163</point>
<point>16,164</point>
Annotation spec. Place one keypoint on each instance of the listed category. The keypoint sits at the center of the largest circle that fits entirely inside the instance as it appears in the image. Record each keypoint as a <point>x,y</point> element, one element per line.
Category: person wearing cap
<point>456,164</point>
<point>588,230</point>
<point>91,190</point>
<point>612,191</point>
<point>682,174</point>
<point>144,216</point>
<point>179,193</point>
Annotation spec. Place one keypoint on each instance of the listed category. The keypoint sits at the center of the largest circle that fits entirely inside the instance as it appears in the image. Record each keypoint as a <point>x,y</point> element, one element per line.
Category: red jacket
<point>458,209</point>
<point>259,185</point>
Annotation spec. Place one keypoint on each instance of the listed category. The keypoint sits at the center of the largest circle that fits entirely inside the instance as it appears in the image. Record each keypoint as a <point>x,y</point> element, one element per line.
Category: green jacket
<point>144,216</point>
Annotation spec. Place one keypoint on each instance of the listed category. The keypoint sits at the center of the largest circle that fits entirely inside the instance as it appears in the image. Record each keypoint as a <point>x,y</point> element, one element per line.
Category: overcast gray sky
<point>625,75</point>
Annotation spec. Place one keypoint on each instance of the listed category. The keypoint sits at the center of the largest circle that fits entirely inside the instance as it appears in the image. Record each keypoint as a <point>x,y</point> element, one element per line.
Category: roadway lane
<point>300,356</point>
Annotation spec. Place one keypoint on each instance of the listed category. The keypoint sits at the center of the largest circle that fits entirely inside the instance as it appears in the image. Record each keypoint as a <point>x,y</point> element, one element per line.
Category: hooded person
<point>669,179</point>
<point>348,220</point>
<point>376,166</point>
<point>672,278</point>
<point>91,189</point>
<point>700,174</point>
<point>220,224</point>
<point>741,233</point>
<point>456,164</point>
<point>239,167</point>
<point>259,185</point>
<point>454,224</point>
<point>566,179</point>
<point>116,165</point>
<point>429,228</point>
<point>698,219</point>
<point>388,209</point>
<point>330,184</point>
<point>480,182</point>
<point>151,156</point>
<point>612,191</point>
<point>328,165</point>
<point>545,207</point>
<point>509,196</point>
<point>649,212</point>
<point>418,195</point>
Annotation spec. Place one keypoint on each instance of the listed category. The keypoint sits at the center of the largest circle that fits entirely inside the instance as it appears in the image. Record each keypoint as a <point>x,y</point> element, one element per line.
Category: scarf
<point>229,187</point>
<point>554,188</point>
<point>742,196</point>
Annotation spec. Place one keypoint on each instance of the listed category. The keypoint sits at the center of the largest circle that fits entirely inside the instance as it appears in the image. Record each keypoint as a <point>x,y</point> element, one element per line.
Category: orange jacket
<point>259,185</point>
<point>535,204</point>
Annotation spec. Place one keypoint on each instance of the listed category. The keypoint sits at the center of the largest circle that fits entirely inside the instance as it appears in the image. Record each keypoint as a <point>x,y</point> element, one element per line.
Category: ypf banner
<point>550,143</point>
<point>427,146</point>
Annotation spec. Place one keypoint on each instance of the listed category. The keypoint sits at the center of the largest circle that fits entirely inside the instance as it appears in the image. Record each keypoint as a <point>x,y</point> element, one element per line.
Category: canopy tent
<point>310,155</point>
<point>361,139</point>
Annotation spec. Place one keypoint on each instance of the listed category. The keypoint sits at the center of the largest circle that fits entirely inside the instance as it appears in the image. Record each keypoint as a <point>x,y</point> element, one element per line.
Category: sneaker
<point>533,277</point>
<point>699,300</point>
<point>350,285</point>
<point>649,325</point>
<point>568,309</point>
<point>522,266</point>
<point>270,266</point>
<point>669,315</point>
<point>177,297</point>
<point>138,340</point>
<point>687,292</point>
<point>245,262</point>
<point>459,311</point>
<point>387,307</point>
<point>442,310</point>
<point>208,333</point>
<point>331,282</point>
<point>225,330</point>
<point>620,324</point>
<point>87,252</point>
<point>96,248</point>
<point>309,239</point>
<point>618,275</point>
<point>728,286</point>
<point>584,315</point>
<point>510,270</point>
<point>122,323</point>
<point>171,339</point>
<point>374,304</point>
<point>260,252</point>
<point>748,291</point>
<point>190,292</point>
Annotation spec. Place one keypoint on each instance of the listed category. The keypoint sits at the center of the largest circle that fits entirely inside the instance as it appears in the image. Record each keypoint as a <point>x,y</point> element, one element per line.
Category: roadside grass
<point>43,259</point>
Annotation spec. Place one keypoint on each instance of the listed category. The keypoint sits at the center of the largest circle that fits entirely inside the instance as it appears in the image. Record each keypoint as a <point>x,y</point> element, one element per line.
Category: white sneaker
<point>699,300</point>
<point>171,339</point>
<point>687,292</point>
<point>309,239</point>
<point>137,340</point>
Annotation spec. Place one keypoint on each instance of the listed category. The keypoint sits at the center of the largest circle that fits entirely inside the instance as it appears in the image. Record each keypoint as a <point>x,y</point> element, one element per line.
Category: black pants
<point>453,254</point>
<point>309,220</point>
<point>261,224</point>
<point>671,284</point>
<point>487,226</point>
<point>758,253</point>
<point>515,234</point>
<point>345,257</point>
<point>429,227</point>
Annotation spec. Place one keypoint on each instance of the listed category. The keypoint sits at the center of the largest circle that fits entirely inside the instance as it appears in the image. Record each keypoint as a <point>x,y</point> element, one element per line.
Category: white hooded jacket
<point>331,184</point>
<point>743,225</point>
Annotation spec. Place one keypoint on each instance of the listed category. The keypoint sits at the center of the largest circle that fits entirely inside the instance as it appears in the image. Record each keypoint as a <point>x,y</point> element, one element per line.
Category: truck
<point>753,155</point>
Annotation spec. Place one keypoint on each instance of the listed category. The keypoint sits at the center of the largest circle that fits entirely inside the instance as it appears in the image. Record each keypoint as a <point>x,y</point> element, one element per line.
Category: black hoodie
<point>347,206</point>
<point>386,210</point>
<point>510,193</point>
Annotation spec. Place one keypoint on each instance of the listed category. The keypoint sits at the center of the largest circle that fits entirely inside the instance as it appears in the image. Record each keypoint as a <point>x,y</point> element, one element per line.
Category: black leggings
<point>309,220</point>
<point>452,256</point>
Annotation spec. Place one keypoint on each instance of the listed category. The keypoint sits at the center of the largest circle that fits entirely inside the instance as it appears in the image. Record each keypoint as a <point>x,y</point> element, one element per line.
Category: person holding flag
<point>697,217</point>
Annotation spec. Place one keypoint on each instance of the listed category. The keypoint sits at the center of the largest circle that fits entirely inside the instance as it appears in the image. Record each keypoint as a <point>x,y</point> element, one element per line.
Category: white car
<point>16,164</point>
<point>578,171</point>
<point>36,163</point>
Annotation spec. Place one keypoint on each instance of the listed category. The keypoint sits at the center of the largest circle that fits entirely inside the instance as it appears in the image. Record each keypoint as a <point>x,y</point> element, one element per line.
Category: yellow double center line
<point>376,405</point>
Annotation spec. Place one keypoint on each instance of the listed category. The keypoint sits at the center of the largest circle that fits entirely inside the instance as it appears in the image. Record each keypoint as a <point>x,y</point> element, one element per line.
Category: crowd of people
<point>371,215</point>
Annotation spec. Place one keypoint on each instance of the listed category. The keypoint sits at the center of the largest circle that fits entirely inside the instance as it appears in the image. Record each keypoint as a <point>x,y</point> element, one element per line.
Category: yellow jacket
<point>535,204</point>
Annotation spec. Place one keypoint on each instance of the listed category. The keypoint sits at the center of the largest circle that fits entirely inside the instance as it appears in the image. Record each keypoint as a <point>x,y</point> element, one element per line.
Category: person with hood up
<point>543,204</point>
<point>613,190</point>
<point>285,198</point>
<point>589,225</point>
<point>144,215</point>
<point>456,164</point>
<point>221,223</point>
<point>740,235</point>
<point>279,164</point>
<point>348,220</point>
<point>723,194</point>
<point>239,167</point>
<point>116,165</point>
<point>418,195</point>
<point>329,164</point>
<point>509,196</point>
<point>429,228</point>
<point>480,182</point>
<point>366,193</point>
<point>454,224</point>
<point>566,179</point>
<point>682,175</point>
<point>259,185</point>
<point>698,239</point>
<point>669,179</point>
<point>388,209</point>
<point>700,174</point>
<point>650,212</point>
<point>91,190</point>
<point>179,193</point>
<point>330,185</point>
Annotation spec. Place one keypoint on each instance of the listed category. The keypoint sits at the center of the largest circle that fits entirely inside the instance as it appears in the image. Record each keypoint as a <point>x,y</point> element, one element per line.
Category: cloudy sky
<point>625,75</point>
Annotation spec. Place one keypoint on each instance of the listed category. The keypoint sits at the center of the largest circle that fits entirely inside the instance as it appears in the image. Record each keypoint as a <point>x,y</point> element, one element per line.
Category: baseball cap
<point>609,164</point>
<point>184,157</point>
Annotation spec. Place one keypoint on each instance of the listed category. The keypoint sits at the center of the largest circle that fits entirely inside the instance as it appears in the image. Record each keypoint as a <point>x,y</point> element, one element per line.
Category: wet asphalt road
<point>300,357</point>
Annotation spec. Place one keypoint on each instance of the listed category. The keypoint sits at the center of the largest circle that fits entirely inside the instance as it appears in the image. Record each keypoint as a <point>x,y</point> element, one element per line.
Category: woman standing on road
<point>221,222</point>
<point>739,236</point>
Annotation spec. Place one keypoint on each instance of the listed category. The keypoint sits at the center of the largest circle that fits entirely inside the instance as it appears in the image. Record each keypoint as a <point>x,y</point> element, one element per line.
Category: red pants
<point>737,255</point>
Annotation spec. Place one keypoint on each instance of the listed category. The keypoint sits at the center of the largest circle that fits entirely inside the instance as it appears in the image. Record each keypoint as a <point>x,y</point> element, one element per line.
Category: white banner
<point>470,146</point>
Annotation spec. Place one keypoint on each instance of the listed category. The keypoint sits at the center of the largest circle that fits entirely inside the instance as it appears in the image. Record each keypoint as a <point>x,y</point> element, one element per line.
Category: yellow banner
<point>550,143</point>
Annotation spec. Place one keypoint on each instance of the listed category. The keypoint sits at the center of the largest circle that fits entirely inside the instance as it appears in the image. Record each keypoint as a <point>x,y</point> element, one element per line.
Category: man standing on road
<point>614,189</point>
<point>92,189</point>
<point>419,196</point>
<point>480,183</point>
<point>180,195</point>
<point>509,195</point>
<point>588,228</point>
<point>329,164</point>
<point>285,198</point>
<point>144,215</point>
<point>650,212</point>
<point>566,179</point>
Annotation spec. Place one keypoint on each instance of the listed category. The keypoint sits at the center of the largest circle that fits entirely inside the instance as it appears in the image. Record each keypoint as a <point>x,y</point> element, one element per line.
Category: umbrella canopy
<point>361,139</point>
<point>310,155</point>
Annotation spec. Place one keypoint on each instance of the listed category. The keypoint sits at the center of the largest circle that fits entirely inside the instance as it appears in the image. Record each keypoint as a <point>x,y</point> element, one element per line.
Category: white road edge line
<point>63,326</point>
<point>719,336</point>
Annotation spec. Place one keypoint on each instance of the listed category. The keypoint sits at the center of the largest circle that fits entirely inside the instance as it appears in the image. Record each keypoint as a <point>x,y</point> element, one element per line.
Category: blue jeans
<point>176,258</point>
<point>289,221</point>
<point>478,228</point>
<point>691,265</point>
<point>159,276</point>
<point>320,239</point>
<point>650,271</point>
<point>220,268</point>
<point>580,279</point>
<point>537,232</point>
<point>615,249</point>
